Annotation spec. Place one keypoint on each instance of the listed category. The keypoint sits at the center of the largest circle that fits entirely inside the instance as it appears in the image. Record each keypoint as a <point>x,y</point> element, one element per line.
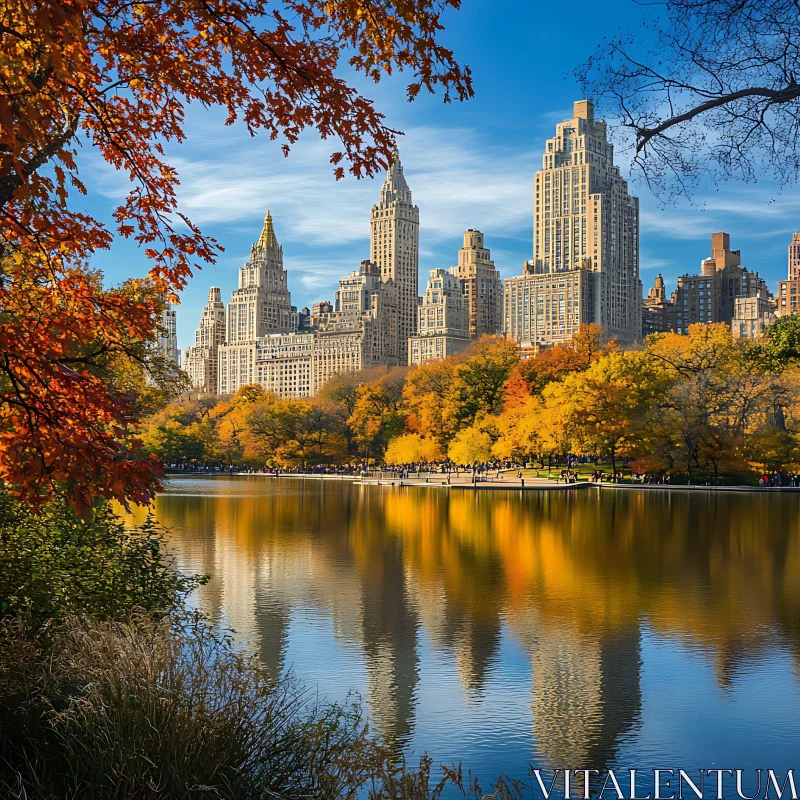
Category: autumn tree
<point>378,415</point>
<point>424,393</point>
<point>290,433</point>
<point>469,446</point>
<point>118,76</point>
<point>411,448</point>
<point>780,347</point>
<point>229,418</point>
<point>339,396</point>
<point>518,428</point>
<point>177,435</point>
<point>705,87</point>
<point>479,380</point>
<point>546,428</point>
<point>606,404</point>
<point>531,375</point>
<point>711,399</point>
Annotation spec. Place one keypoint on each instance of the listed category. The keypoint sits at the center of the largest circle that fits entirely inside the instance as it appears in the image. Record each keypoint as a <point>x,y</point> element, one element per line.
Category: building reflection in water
<point>570,576</point>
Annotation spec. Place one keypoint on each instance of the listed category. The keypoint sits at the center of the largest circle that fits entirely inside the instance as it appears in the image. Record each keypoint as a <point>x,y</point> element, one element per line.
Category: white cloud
<point>655,263</point>
<point>458,181</point>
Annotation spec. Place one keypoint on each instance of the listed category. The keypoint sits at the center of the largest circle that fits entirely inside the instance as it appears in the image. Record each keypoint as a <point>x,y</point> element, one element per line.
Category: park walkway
<point>507,481</point>
<point>464,481</point>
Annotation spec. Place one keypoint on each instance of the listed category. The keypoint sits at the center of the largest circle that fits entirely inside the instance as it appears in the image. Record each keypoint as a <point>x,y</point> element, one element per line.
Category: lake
<point>582,628</point>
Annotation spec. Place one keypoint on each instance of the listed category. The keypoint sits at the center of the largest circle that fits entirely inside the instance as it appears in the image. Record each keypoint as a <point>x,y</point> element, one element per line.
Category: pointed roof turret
<point>268,237</point>
<point>395,189</point>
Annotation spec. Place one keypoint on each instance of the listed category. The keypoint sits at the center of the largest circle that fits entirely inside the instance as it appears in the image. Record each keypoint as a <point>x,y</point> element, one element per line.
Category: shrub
<point>56,564</point>
<point>163,709</point>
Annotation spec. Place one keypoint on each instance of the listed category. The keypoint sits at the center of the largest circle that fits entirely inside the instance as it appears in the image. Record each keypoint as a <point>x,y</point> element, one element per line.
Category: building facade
<point>168,335</point>
<point>375,314</point>
<point>394,247</point>
<point>541,309</point>
<point>443,319</point>
<point>362,331</point>
<point>359,330</point>
<point>201,361</point>
<point>280,362</point>
<point>711,295</point>
<point>658,311</point>
<point>585,265</point>
<point>481,284</point>
<point>788,299</point>
<point>794,257</point>
<point>752,316</point>
<point>262,303</point>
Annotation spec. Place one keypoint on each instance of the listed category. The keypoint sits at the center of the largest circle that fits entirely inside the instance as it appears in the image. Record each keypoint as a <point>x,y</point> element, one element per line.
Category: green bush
<point>55,564</point>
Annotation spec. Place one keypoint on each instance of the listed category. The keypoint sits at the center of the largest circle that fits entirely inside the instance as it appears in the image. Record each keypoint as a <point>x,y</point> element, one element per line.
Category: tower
<point>794,257</point>
<point>168,335</point>
<point>584,219</point>
<point>482,286</point>
<point>202,359</point>
<point>443,322</point>
<point>789,290</point>
<point>262,303</point>
<point>394,247</point>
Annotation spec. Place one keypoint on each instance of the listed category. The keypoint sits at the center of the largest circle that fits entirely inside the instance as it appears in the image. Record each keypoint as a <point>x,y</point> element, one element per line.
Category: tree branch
<point>11,182</point>
<point>786,95</point>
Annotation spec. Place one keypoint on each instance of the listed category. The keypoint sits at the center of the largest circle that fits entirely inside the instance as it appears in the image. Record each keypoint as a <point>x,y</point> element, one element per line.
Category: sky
<point>469,165</point>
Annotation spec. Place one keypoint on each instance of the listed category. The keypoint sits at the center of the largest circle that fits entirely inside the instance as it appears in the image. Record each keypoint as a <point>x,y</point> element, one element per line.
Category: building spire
<point>268,237</point>
<point>395,189</point>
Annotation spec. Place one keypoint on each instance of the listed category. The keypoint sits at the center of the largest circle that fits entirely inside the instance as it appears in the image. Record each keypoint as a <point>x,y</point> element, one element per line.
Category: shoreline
<point>531,484</point>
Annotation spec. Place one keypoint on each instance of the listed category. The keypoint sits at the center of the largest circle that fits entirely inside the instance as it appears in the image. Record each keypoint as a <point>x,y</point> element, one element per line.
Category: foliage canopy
<point>119,76</point>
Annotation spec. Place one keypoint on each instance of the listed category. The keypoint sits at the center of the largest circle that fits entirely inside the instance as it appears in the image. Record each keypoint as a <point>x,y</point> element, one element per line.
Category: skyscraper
<point>482,285</point>
<point>711,295</point>
<point>789,290</point>
<point>794,257</point>
<point>443,322</point>
<point>202,359</point>
<point>585,265</point>
<point>658,310</point>
<point>262,303</point>
<point>168,335</point>
<point>394,247</point>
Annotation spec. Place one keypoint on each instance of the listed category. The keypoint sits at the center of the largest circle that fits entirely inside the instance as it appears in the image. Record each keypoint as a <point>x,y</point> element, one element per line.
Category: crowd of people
<point>494,470</point>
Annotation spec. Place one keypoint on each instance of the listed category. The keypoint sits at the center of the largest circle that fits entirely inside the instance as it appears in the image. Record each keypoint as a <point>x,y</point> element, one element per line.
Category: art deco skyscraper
<point>443,320</point>
<point>168,335</point>
<point>789,290</point>
<point>394,247</point>
<point>482,285</point>
<point>202,359</point>
<point>585,265</point>
<point>262,303</point>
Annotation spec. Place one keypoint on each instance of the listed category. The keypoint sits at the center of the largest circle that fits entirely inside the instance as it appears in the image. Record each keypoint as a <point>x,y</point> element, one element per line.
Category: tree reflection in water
<point>572,577</point>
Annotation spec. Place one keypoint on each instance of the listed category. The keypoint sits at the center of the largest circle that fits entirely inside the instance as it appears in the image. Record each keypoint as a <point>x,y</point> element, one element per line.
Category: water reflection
<point>409,580</point>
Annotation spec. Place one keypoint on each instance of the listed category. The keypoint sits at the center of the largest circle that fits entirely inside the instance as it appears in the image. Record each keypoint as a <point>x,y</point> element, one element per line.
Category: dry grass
<point>152,710</point>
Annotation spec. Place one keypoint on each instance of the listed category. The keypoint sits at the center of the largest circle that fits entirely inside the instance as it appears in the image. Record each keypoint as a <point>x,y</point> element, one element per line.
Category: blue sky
<point>469,165</point>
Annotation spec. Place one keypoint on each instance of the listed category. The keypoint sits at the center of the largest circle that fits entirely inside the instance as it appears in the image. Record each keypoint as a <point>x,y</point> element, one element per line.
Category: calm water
<point>581,629</point>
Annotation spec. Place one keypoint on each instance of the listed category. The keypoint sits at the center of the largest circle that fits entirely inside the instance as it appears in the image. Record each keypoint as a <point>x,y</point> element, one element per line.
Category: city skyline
<point>491,144</point>
<point>764,252</point>
<point>586,231</point>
